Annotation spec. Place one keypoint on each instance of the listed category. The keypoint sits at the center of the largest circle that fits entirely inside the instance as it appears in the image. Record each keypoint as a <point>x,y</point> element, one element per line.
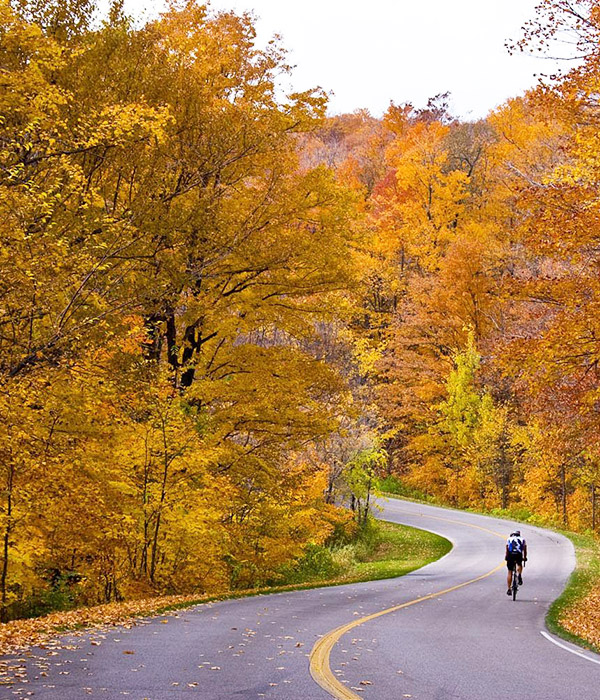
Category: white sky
<point>370,53</point>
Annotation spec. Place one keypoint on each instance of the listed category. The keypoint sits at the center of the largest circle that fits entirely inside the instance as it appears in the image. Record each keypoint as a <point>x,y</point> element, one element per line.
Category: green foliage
<point>461,411</point>
<point>378,550</point>
<point>317,563</point>
<point>360,476</point>
<point>394,485</point>
<point>65,592</point>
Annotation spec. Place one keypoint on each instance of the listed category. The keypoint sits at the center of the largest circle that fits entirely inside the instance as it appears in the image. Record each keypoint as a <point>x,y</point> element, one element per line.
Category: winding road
<point>445,632</point>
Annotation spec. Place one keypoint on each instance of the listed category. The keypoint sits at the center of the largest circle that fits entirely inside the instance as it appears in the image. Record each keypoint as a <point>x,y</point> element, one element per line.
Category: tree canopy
<point>225,314</point>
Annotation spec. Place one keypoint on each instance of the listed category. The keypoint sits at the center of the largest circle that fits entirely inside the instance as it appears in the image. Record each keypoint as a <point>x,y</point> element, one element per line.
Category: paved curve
<point>472,643</point>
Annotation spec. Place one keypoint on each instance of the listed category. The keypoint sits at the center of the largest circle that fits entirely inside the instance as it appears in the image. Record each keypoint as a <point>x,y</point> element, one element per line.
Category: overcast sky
<point>371,52</point>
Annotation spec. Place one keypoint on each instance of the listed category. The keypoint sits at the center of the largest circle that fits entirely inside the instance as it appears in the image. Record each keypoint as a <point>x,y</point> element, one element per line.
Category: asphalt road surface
<point>466,641</point>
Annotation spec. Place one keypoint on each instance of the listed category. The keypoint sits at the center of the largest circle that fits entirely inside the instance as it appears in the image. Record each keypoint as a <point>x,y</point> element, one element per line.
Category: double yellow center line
<point>320,669</point>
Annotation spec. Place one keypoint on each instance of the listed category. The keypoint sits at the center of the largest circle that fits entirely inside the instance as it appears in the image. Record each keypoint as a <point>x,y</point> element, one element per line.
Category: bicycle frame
<point>515,581</point>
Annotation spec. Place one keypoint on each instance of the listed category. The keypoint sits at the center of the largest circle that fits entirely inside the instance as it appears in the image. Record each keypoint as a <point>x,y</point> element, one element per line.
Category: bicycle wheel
<point>515,585</point>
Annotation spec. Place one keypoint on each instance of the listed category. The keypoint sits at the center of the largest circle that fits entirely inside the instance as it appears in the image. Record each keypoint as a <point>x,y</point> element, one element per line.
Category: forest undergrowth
<point>381,550</point>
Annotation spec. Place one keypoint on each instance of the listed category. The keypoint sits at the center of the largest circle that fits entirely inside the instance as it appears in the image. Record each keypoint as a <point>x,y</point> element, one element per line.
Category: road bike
<point>514,586</point>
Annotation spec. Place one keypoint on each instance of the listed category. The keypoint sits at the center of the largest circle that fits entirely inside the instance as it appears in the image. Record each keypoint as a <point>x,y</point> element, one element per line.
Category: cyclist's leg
<point>520,569</point>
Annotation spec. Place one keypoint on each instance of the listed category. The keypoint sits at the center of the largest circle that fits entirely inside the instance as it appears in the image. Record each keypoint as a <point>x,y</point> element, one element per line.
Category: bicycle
<point>514,586</point>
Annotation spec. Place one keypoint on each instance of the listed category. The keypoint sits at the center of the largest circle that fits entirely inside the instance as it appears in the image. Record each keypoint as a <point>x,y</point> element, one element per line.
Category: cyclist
<point>516,552</point>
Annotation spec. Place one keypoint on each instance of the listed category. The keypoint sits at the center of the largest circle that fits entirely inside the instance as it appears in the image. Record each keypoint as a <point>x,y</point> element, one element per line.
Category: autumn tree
<point>170,263</point>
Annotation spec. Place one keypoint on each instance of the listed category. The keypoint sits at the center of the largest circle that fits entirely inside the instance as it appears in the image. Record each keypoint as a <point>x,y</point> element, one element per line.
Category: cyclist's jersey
<point>515,544</point>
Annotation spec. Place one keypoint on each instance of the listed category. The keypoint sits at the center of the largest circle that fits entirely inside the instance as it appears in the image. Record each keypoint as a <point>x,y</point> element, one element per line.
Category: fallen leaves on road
<point>21,634</point>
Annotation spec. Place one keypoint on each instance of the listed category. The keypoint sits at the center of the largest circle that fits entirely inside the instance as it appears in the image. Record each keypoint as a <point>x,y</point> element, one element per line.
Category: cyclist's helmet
<point>516,532</point>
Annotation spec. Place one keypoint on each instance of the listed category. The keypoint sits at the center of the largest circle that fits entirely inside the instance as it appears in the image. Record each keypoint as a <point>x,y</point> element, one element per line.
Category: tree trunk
<point>505,471</point>
<point>329,491</point>
<point>367,504</point>
<point>457,490</point>
<point>163,494</point>
<point>6,541</point>
<point>563,494</point>
<point>143,570</point>
<point>192,342</point>
<point>153,346</point>
<point>171,335</point>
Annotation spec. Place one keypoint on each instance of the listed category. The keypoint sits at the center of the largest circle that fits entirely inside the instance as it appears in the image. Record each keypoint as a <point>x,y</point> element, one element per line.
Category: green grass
<point>381,550</point>
<point>393,486</point>
<point>399,550</point>
<point>585,577</point>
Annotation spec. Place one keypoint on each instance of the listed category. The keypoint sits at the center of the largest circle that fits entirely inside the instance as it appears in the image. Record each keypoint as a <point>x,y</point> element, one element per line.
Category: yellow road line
<point>320,669</point>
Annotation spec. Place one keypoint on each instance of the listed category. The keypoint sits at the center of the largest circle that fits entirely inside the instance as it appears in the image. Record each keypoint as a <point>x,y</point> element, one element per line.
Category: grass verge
<point>384,550</point>
<point>398,551</point>
<point>381,550</point>
<point>575,615</point>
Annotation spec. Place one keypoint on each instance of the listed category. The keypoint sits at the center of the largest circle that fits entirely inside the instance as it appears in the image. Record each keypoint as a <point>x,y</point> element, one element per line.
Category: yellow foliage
<point>166,267</point>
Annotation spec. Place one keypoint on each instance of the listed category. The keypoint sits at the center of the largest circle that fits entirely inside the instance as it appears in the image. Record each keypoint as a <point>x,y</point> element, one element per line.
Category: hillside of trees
<point>224,314</point>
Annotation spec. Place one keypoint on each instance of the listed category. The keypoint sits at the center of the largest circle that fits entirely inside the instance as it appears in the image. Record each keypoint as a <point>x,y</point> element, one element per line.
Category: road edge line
<point>550,638</point>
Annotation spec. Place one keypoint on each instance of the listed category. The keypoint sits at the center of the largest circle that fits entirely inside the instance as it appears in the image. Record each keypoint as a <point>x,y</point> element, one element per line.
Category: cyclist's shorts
<point>514,557</point>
